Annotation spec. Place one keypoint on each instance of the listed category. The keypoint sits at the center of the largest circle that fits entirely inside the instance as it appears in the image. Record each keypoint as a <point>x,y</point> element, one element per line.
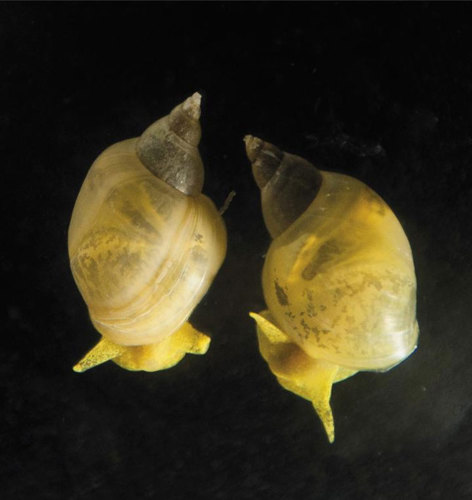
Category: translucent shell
<point>340,281</point>
<point>142,253</point>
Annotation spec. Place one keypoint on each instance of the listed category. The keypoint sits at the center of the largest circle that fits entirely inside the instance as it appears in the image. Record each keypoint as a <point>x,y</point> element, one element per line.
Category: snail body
<point>145,244</point>
<point>338,278</point>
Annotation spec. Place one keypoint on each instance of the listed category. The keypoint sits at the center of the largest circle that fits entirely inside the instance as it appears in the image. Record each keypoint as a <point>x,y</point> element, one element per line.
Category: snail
<point>338,278</point>
<point>145,244</point>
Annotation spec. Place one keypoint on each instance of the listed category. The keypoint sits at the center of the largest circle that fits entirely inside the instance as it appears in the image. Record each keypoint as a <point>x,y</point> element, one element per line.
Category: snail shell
<point>338,279</point>
<point>145,244</point>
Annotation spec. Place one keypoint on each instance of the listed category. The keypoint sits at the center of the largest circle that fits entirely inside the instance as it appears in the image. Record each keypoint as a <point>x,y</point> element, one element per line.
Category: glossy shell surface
<point>142,253</point>
<point>340,281</point>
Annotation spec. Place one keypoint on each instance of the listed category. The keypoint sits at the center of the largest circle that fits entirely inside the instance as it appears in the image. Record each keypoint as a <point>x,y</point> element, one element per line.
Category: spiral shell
<point>143,253</point>
<point>338,279</point>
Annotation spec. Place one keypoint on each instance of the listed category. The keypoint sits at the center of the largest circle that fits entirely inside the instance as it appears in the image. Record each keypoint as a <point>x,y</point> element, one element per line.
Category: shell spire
<point>192,105</point>
<point>288,183</point>
<point>169,147</point>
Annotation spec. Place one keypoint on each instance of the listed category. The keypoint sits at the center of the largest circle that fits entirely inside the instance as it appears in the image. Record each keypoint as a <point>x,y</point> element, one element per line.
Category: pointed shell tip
<point>192,105</point>
<point>253,146</point>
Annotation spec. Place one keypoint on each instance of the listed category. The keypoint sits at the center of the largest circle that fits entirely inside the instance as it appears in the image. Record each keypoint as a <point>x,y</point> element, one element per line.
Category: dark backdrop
<point>378,91</point>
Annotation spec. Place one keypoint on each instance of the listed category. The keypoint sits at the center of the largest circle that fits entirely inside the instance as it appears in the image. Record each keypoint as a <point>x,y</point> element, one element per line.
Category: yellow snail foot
<point>100,353</point>
<point>297,372</point>
<point>150,357</point>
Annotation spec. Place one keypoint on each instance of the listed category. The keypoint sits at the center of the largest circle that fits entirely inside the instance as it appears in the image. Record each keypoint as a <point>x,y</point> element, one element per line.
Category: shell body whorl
<point>142,253</point>
<point>340,280</point>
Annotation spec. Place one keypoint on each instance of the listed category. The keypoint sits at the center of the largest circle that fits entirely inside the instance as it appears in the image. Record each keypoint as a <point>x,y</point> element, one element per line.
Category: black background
<point>382,92</point>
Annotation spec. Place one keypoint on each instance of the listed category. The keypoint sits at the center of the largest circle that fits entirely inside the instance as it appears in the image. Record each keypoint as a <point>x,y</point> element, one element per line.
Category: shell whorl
<point>142,253</point>
<point>340,280</point>
<point>169,147</point>
<point>288,183</point>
